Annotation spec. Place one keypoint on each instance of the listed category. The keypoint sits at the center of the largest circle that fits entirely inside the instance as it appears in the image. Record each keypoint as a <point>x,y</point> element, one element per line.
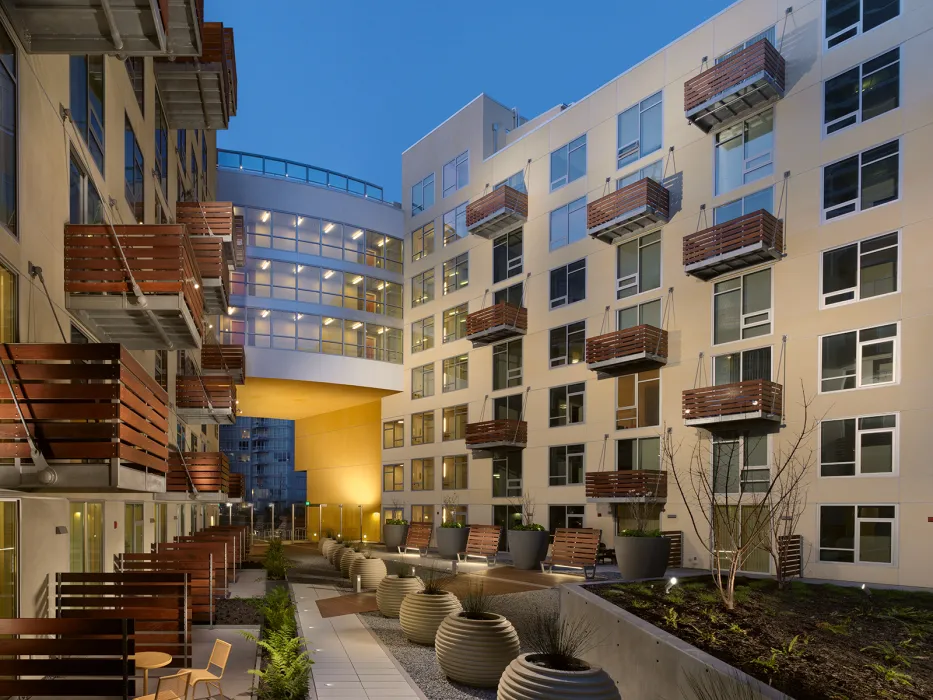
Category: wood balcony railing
<point>210,227</point>
<point>630,210</point>
<point>501,211</point>
<point>235,489</point>
<point>208,472</point>
<point>738,85</point>
<point>495,323</point>
<point>224,359</point>
<point>629,350</point>
<point>755,399</point>
<point>747,240</point>
<point>493,434</point>
<point>102,264</point>
<point>238,247</point>
<point>206,398</point>
<point>626,484</point>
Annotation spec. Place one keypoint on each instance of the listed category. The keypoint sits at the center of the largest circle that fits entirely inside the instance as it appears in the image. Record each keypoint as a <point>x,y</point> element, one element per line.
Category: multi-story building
<point>734,227</point>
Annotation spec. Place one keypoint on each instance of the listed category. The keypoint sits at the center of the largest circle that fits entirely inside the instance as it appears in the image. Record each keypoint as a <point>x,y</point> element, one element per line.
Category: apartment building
<point>734,226</point>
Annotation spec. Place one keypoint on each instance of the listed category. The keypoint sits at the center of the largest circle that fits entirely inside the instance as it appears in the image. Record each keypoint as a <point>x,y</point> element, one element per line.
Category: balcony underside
<point>734,103</point>
<point>206,416</point>
<point>498,223</point>
<point>748,419</point>
<point>105,476</point>
<point>194,94</point>
<point>164,323</point>
<point>185,20</point>
<point>626,498</point>
<point>199,497</point>
<point>631,223</point>
<point>216,300</point>
<point>716,265</point>
<point>628,364</point>
<point>487,450</point>
<point>495,334</point>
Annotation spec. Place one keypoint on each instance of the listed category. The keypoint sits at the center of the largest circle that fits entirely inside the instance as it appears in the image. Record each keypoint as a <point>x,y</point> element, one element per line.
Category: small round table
<point>147,660</point>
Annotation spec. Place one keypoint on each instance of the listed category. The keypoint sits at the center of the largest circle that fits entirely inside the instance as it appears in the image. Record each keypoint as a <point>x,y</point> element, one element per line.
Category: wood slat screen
<point>501,314</point>
<point>230,54</point>
<point>630,341</point>
<point>220,391</point>
<point>676,554</point>
<point>198,566</point>
<point>223,568</point>
<point>239,241</point>
<point>731,399</point>
<point>758,228</point>
<point>206,218</point>
<point>761,56</point>
<point>483,540</point>
<point>627,483</point>
<point>575,546</point>
<point>210,472</point>
<point>502,198</point>
<point>485,432</point>
<point>235,487</point>
<point>631,198</point>
<point>790,555</point>
<point>228,537</point>
<point>224,358</point>
<point>241,531</point>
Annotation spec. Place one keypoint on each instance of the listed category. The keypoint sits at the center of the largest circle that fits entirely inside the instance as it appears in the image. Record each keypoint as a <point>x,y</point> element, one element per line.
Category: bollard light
<point>867,590</point>
<point>359,583</point>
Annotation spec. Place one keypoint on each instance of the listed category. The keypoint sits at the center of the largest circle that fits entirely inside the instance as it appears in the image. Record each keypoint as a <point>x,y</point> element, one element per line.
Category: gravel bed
<point>236,611</point>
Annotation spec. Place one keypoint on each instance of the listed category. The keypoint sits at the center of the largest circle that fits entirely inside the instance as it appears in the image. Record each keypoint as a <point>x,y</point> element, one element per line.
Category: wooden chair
<point>482,542</point>
<point>173,687</point>
<point>419,537</point>
<point>574,547</point>
<point>219,655</point>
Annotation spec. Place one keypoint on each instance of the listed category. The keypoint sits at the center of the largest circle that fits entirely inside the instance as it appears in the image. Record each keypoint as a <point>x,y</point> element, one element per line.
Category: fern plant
<point>275,562</point>
<point>285,675</point>
<point>276,609</point>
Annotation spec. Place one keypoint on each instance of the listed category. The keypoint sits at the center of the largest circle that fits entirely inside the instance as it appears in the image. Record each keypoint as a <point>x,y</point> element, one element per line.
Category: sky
<point>350,84</point>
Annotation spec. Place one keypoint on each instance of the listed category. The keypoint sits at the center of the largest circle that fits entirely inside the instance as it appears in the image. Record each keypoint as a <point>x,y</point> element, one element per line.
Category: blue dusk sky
<point>348,85</point>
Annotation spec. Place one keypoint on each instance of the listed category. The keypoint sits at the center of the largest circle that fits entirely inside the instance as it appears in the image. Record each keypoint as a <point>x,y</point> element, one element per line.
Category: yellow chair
<point>219,656</point>
<point>170,688</point>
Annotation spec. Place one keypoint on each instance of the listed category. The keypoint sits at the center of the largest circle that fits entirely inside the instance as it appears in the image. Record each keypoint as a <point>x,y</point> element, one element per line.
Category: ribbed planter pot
<point>527,680</point>
<point>422,613</point>
<point>347,561</point>
<point>475,652</point>
<point>528,548</point>
<point>642,557</point>
<point>325,545</point>
<point>334,554</point>
<point>451,541</point>
<point>392,590</point>
<point>394,536</point>
<point>370,571</point>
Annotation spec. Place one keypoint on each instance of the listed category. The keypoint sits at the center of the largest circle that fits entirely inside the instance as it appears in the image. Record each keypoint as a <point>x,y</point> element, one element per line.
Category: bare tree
<point>526,504</point>
<point>786,504</point>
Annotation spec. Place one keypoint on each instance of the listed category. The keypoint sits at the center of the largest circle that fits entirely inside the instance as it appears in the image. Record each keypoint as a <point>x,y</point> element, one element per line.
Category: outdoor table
<point>147,660</point>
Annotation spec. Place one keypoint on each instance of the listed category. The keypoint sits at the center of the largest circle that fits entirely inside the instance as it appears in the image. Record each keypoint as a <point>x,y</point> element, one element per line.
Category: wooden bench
<point>418,538</point>
<point>574,547</point>
<point>483,543</point>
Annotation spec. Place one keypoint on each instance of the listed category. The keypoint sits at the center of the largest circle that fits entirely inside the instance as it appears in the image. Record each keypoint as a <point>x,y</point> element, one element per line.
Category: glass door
<point>87,537</point>
<point>133,528</point>
<point>9,559</point>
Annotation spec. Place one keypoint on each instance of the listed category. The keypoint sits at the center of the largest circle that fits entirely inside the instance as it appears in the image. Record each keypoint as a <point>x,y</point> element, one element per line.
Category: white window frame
<point>422,324</point>
<point>858,198</point>
<point>454,364</point>
<point>634,147</point>
<point>420,281</point>
<point>566,388</point>
<point>857,26</point>
<point>636,406</point>
<point>861,92</point>
<point>459,266</point>
<point>420,233</point>
<point>513,487</point>
<point>513,266</point>
<point>581,452</point>
<point>740,441</point>
<point>423,439</point>
<point>858,284</point>
<point>423,370</point>
<point>895,534</point>
<point>465,462</point>
<point>576,205</point>
<point>743,325</point>
<point>563,180</point>
<point>511,374</point>
<point>423,185</point>
<point>564,301</point>
<point>637,440</point>
<point>634,280</point>
<point>393,466</point>
<point>458,213</point>
<point>744,200</point>
<point>896,354</point>
<point>454,164</point>
<point>566,358</point>
<point>461,309</point>
<point>741,353</point>
<point>745,161</point>
<point>455,413</point>
<point>895,446</point>
<point>425,485</point>
<point>641,173</point>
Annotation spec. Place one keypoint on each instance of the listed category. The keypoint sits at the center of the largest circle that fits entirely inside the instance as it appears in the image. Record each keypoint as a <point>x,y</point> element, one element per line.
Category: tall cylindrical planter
<point>451,541</point>
<point>422,613</point>
<point>370,571</point>
<point>394,536</point>
<point>526,678</point>
<point>475,650</point>
<point>528,548</point>
<point>347,561</point>
<point>642,557</point>
<point>334,556</point>
<point>392,590</point>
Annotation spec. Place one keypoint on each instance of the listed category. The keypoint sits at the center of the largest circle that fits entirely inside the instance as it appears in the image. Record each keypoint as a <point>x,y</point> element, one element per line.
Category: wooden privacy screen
<point>231,539</point>
<point>760,57</point>
<point>206,218</point>
<point>627,483</point>
<point>215,392</point>
<point>241,531</point>
<point>501,198</point>
<point>209,471</point>
<point>224,359</point>
<point>218,551</point>
<point>675,557</point>
<point>235,489</point>
<point>198,566</point>
<point>629,341</point>
<point>513,432</point>
<point>501,314</point>
<point>790,555</point>
<point>646,193</point>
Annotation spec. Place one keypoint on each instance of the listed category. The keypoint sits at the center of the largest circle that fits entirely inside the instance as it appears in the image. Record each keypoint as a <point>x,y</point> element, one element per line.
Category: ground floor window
<point>565,516</point>
<point>626,516</point>
<point>161,522</point>
<point>9,559</point>
<point>506,517</point>
<point>454,513</point>
<point>87,537</point>
<point>736,526</point>
<point>422,514</point>
<point>858,534</point>
<point>133,528</point>
<point>393,514</point>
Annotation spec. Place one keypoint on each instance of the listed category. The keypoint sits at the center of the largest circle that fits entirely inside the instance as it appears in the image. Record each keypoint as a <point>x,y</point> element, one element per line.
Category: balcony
<point>224,359</point>
<point>235,489</point>
<point>137,285</point>
<point>206,399</point>
<point>728,405</point>
<point>630,350</point>
<point>748,240</point>
<point>210,227</point>
<point>626,485</point>
<point>96,417</point>
<point>238,248</point>
<point>185,25</point>
<point>497,435</point>
<point>637,208</point>
<point>495,323</point>
<point>735,87</point>
<point>205,473</point>
<point>501,211</point>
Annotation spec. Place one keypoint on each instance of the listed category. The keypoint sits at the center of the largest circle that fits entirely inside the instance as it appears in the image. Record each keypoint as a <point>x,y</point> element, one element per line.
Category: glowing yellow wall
<point>342,453</point>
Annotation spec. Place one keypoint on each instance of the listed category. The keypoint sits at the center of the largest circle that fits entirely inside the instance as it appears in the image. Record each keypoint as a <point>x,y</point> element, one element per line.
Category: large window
<point>568,223</point>
<point>846,19</point>
<point>639,130</point>
<point>161,146</point>
<point>638,265</point>
<point>744,152</point>
<point>393,433</point>
<point>567,404</point>
<point>456,373</point>
<point>568,163</point>
<point>422,514</point>
<point>742,307</point>
<point>868,179</point>
<point>422,428</point>
<point>762,199</point>
<point>507,364</point>
<point>566,465</point>
<point>456,273</point>
<point>454,472</point>
<point>455,224</point>
<point>516,182</point>
<point>742,366</point>
<point>9,126</point>
<point>422,474</point>
<point>422,288</point>
<point>858,534</point>
<point>507,256</point>
<point>422,195</point>
<point>136,72</point>
<point>654,170</point>
<point>568,284</point>
<point>856,359</point>
<point>738,48</point>
<point>646,314</point>
<point>85,206</point>
<point>508,407</point>
<point>638,453</point>
<point>393,477</point>
<point>861,270</point>
<point>87,537</point>
<point>862,93</point>
<point>864,446</point>
<point>133,168</point>
<point>740,464</point>
<point>507,474</point>
<point>422,334</point>
<point>454,514</point>
<point>457,173</point>
<point>455,419</point>
<point>422,241</point>
<point>567,344</point>
<point>455,323</point>
<point>514,295</point>
<point>422,381</point>
<point>133,524</point>
<point>87,103</point>
<point>564,516</point>
<point>638,400</point>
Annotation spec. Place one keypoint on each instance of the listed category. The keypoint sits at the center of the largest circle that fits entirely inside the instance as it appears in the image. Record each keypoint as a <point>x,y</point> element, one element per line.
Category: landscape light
<point>670,584</point>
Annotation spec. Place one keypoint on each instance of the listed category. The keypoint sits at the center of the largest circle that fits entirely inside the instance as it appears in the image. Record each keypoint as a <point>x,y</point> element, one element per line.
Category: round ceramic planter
<point>334,555</point>
<point>347,561</point>
<point>526,680</point>
<point>451,541</point>
<point>528,548</point>
<point>475,652</point>
<point>642,557</point>
<point>422,613</point>
<point>394,536</point>
<point>325,545</point>
<point>392,590</point>
<point>370,571</point>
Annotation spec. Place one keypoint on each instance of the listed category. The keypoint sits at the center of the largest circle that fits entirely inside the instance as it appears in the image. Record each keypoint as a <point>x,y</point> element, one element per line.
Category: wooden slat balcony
<point>494,323</point>
<point>230,54</point>
<point>224,359</point>
<point>501,211</point>
<point>735,87</point>
<point>755,400</point>
<point>185,24</point>
<point>238,249</point>
<point>626,485</point>
<point>497,435</point>
<point>210,227</point>
<point>201,472</point>
<point>206,399</point>
<point>637,208</point>
<point>96,416</point>
<point>103,263</point>
<point>741,242</point>
<point>630,350</point>
<point>235,490</point>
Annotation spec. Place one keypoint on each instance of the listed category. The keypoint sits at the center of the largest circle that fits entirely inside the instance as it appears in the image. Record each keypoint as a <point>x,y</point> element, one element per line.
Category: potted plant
<point>452,534</point>
<point>422,612</point>
<point>393,588</point>
<point>528,541</point>
<point>394,532</point>
<point>554,670</point>
<point>347,559</point>
<point>475,646</point>
<point>370,569</point>
<point>642,552</point>
<point>335,553</point>
<point>325,546</point>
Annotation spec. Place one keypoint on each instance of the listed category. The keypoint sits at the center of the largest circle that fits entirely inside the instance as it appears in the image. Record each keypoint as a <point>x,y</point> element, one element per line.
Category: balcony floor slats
<point>741,242</point>
<point>727,405</point>
<point>634,209</point>
<point>494,323</point>
<point>626,486</point>
<point>627,351</point>
<point>493,435</point>
<point>499,212</point>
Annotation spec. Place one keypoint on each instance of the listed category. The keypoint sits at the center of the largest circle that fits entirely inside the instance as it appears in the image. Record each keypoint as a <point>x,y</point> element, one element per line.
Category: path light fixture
<point>867,590</point>
<point>670,584</point>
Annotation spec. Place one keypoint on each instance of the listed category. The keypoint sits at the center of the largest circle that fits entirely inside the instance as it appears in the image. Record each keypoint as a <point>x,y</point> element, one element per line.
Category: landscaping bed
<point>810,641</point>
<point>240,612</point>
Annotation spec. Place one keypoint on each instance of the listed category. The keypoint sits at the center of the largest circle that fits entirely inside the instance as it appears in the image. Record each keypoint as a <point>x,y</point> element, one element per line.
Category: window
<point>564,516</point>
<point>422,474</point>
<point>456,373</point>
<point>136,72</point>
<point>507,474</point>
<point>161,368</point>
<point>9,126</point>
<point>742,366</point>
<point>507,364</point>
<point>507,256</point>
<point>422,195</point>
<point>846,19</point>
<point>568,344</point>
<point>194,194</point>
<point>516,182</point>
<point>512,295</point>
<point>639,130</point>
<point>454,513</point>
<point>455,224</point>
<point>87,537</point>
<point>455,422</point>
<point>393,477</point>
<point>457,173</point>
<point>568,284</point>
<point>647,314</point>
<point>455,323</point>
<point>133,528</point>
<point>422,381</point>
<point>638,400</point>
<point>566,465</point>
<point>393,434</point>
<point>858,446</point>
<point>567,404</point>
<point>508,407</point>
<point>454,472</point>
<point>653,170</point>
<point>568,224</point>
<point>858,534</point>
<point>456,273</point>
<point>766,34</point>
<point>422,288</point>
<point>85,206</point>
<point>422,428</point>
<point>133,169</point>
<point>181,145</point>
<point>742,307</point>
<point>740,465</point>
<point>762,199</point>
<point>744,152</point>
<point>861,270</point>
<point>638,454</point>
<point>568,163</point>
<point>161,522</point>
<point>87,103</point>
<point>638,265</point>
<point>422,514</point>
<point>868,179</point>
<point>862,93</point>
<point>857,359</point>
<point>422,241</point>
<point>161,146</point>
<point>422,334</point>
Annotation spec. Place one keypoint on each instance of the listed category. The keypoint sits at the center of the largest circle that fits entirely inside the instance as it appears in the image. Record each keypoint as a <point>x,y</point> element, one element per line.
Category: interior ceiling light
<point>357,280</point>
<point>380,243</point>
<point>328,228</point>
<point>356,235</point>
<point>231,310</point>
<point>382,285</point>
<point>265,312</point>
<point>381,331</point>
<point>328,274</point>
<point>328,321</point>
<point>265,216</point>
<point>299,268</point>
<point>356,325</point>
<point>300,219</point>
<point>265,264</point>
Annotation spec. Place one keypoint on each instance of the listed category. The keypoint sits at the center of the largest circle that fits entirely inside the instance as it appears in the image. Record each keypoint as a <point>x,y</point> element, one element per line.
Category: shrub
<point>285,675</point>
<point>476,603</point>
<point>396,521</point>
<point>529,526</point>
<point>639,533</point>
<point>558,643</point>
<point>275,562</point>
<point>276,608</point>
<point>452,523</point>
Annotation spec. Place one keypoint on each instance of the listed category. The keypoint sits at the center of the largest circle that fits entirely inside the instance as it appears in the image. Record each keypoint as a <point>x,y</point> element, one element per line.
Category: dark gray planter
<point>394,536</point>
<point>642,557</point>
<point>528,548</point>
<point>451,541</point>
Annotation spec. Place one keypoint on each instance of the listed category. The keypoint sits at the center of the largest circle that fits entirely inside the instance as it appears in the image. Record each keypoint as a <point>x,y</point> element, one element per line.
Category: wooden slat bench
<point>482,542</point>
<point>419,537</point>
<point>574,547</point>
